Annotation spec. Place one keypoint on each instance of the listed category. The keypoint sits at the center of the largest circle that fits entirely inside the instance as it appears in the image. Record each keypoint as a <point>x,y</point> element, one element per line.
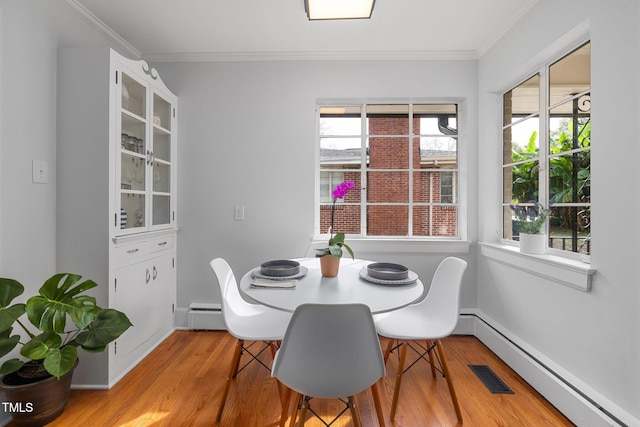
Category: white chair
<point>329,351</point>
<point>246,322</point>
<point>435,317</point>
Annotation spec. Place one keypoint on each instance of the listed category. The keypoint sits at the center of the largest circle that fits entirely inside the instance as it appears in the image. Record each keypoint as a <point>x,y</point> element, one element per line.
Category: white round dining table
<point>348,287</point>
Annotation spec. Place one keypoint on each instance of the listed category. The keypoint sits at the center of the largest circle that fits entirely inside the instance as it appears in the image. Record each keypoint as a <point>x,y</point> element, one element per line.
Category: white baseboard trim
<point>563,393</point>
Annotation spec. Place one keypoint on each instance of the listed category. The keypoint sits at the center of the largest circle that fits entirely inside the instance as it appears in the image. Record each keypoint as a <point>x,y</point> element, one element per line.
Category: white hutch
<point>116,198</point>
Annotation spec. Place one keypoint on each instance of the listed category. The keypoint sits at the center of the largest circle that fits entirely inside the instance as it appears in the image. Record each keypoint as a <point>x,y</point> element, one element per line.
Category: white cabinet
<point>144,288</point>
<point>116,197</point>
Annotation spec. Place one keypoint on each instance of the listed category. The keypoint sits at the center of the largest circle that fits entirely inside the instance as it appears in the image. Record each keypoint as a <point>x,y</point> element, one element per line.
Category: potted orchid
<point>330,256</point>
<point>530,221</point>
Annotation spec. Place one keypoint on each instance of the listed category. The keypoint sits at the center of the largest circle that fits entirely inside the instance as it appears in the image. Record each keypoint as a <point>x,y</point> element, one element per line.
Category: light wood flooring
<point>179,384</point>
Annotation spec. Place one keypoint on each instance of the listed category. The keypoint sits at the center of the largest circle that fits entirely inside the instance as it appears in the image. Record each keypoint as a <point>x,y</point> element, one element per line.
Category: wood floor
<point>179,384</point>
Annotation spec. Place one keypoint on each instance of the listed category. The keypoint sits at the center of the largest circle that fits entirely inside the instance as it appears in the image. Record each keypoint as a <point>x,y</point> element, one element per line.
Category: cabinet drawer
<point>161,244</point>
<point>128,253</point>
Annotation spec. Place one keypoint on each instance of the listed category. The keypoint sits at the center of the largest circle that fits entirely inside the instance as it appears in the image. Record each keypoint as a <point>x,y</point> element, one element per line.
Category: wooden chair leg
<point>447,375</point>
<point>431,359</point>
<point>355,412</point>
<point>376,403</point>
<point>235,362</point>
<point>285,405</point>
<point>387,351</point>
<point>298,402</point>
<point>396,390</point>
<point>303,414</point>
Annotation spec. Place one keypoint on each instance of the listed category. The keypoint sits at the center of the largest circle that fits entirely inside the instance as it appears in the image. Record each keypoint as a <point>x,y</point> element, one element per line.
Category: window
<point>554,170</point>
<point>403,161</point>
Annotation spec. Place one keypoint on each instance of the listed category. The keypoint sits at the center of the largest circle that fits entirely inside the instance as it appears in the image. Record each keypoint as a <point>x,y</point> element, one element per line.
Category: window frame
<point>459,188</point>
<point>544,115</point>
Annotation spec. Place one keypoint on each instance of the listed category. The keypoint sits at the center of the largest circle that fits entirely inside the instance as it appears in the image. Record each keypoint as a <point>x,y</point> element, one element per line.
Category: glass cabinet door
<point>133,154</point>
<point>161,161</point>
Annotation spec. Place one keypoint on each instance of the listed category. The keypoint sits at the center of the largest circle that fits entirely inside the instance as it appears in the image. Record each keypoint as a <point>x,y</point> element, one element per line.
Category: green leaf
<point>10,366</point>
<point>108,326</point>
<point>350,251</point>
<point>8,315</point>
<point>9,290</point>
<point>58,298</point>
<point>40,346</point>
<point>61,361</point>
<point>8,342</point>
<point>336,251</point>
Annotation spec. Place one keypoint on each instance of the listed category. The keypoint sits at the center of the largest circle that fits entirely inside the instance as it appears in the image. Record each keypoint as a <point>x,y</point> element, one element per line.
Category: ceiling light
<point>338,9</point>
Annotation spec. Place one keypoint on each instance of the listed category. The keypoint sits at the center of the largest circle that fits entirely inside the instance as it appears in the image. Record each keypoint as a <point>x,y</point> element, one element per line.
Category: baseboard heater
<point>205,316</point>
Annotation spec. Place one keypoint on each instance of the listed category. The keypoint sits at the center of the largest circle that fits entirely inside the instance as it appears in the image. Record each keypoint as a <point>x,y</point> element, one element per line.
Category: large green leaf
<point>40,346</point>
<point>59,298</point>
<point>108,326</point>
<point>8,342</point>
<point>11,365</point>
<point>60,361</point>
<point>9,290</point>
<point>8,316</point>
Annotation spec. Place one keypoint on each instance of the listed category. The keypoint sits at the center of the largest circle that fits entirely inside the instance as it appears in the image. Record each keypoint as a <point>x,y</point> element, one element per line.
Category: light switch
<point>238,212</point>
<point>40,172</point>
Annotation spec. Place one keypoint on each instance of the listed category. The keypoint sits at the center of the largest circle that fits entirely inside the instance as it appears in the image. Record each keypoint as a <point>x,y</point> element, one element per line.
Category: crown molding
<point>311,56</point>
<point>102,28</point>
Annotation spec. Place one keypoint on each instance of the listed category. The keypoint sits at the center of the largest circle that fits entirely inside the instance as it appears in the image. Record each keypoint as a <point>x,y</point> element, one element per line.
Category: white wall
<point>247,137</point>
<point>590,338</point>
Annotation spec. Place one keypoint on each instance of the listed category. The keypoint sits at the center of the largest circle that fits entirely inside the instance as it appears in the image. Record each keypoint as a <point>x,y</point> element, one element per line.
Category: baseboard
<point>567,396</point>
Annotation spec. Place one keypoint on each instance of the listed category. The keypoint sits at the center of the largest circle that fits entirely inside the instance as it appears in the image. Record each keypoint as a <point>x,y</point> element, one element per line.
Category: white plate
<point>413,276</point>
<point>257,273</point>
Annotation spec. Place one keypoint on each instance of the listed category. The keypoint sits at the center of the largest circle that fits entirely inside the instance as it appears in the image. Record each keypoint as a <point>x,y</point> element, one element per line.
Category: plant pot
<point>329,265</point>
<point>37,403</point>
<point>533,243</point>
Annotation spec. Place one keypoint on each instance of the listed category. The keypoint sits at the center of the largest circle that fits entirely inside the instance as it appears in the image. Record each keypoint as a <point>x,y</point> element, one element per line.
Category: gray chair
<point>246,322</point>
<point>435,317</point>
<point>329,351</point>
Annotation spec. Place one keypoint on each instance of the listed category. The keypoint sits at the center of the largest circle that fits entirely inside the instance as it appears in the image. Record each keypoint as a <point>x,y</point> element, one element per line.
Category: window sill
<point>567,272</point>
<point>423,246</point>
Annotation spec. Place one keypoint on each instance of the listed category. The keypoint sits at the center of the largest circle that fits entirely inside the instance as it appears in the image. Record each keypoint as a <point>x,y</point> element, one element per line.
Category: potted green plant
<point>530,221</point>
<point>38,388</point>
<point>330,255</point>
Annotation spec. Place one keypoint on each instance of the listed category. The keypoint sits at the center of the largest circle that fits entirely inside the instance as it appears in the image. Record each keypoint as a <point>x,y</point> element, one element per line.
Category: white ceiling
<point>167,30</point>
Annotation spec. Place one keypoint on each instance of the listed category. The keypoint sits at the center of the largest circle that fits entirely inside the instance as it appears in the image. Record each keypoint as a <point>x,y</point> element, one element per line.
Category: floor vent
<point>491,380</point>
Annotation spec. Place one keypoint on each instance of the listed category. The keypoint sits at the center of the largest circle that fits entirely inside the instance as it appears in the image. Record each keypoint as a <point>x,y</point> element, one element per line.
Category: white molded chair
<point>246,322</point>
<point>435,317</point>
<point>329,351</point>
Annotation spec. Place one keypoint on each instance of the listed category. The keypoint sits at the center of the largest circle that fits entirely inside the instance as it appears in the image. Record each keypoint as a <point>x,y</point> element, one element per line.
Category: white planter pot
<point>533,243</point>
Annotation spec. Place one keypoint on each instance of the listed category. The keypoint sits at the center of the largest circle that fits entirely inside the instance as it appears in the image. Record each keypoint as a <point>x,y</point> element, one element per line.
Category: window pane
<point>570,228</point>
<point>522,100</point>
<point>570,75</point>
<point>388,187</point>
<point>570,178</point>
<point>340,121</point>
<point>340,151</point>
<point>521,183</point>
<point>388,153</point>
<point>438,125</point>
<point>525,143</point>
<point>561,126</point>
<point>388,119</point>
<point>441,221</point>
<point>384,220</point>
<point>438,186</point>
<point>437,150</point>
